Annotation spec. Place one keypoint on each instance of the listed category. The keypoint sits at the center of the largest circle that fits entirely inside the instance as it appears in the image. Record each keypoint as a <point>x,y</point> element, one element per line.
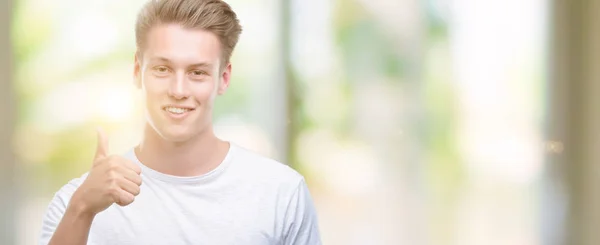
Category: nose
<point>178,88</point>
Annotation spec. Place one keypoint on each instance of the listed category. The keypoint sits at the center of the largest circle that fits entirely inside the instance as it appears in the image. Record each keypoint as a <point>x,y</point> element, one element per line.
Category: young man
<point>181,184</point>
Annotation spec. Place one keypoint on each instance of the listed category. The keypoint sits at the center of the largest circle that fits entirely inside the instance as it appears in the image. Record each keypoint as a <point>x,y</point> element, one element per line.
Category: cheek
<point>153,85</point>
<point>152,91</point>
<point>203,91</point>
<point>155,89</point>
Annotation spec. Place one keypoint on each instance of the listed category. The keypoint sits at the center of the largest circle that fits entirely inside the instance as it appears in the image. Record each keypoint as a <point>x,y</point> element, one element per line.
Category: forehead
<point>182,45</point>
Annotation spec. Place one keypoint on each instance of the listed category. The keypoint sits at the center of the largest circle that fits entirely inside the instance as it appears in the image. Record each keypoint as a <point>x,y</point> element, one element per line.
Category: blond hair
<point>215,16</point>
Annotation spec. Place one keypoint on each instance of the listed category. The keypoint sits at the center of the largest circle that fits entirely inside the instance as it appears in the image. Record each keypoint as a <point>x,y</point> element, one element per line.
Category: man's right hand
<point>112,179</point>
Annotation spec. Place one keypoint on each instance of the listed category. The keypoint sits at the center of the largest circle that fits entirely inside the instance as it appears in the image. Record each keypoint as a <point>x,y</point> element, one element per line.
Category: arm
<point>301,224</point>
<point>65,223</point>
<point>73,228</point>
<point>112,179</point>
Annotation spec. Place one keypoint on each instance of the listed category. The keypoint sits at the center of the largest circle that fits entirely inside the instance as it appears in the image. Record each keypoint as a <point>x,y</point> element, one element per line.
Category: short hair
<point>215,16</point>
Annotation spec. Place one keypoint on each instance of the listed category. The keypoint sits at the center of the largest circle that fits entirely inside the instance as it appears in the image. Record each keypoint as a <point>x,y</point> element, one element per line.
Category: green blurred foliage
<point>72,148</point>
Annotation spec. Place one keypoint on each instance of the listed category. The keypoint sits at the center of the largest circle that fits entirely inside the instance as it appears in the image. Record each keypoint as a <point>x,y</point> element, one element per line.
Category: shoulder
<point>65,193</point>
<point>262,168</point>
<point>57,207</point>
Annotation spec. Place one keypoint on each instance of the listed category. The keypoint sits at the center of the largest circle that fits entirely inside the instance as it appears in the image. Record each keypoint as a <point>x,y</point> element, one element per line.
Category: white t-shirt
<point>248,199</point>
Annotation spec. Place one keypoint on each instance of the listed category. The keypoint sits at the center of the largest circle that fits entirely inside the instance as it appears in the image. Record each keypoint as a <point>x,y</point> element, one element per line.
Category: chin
<point>176,133</point>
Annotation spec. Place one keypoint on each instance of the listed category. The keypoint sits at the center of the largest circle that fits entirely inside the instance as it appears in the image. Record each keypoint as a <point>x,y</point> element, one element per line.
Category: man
<point>181,184</point>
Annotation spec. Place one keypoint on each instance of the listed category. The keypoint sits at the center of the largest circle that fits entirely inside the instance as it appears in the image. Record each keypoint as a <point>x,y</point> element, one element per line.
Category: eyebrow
<point>166,60</point>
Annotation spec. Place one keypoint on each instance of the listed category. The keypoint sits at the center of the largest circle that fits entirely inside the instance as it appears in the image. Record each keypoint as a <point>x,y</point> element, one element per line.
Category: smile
<point>177,110</point>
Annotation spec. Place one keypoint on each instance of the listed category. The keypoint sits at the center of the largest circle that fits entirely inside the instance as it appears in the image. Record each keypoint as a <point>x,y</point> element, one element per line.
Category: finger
<point>102,147</point>
<point>131,176</point>
<point>132,166</point>
<point>123,198</point>
<point>129,186</point>
<point>128,169</point>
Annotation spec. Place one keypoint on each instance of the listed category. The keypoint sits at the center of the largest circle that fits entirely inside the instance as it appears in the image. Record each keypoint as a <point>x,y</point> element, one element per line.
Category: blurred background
<point>451,122</point>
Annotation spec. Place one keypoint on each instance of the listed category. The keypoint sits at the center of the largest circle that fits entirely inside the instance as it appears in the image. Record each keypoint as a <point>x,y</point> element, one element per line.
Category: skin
<point>178,68</point>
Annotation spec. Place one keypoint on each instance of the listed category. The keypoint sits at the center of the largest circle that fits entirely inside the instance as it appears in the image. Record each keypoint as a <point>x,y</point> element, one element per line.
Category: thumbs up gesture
<point>112,179</point>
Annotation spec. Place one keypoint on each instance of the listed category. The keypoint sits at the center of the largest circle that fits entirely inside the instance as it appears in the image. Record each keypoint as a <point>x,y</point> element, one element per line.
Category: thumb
<point>102,148</point>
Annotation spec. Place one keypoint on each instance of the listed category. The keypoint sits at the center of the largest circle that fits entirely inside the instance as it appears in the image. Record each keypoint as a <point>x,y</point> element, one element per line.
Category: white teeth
<point>176,110</point>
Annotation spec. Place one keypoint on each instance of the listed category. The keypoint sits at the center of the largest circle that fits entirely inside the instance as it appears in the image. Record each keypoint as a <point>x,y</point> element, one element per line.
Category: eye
<point>198,73</point>
<point>161,69</point>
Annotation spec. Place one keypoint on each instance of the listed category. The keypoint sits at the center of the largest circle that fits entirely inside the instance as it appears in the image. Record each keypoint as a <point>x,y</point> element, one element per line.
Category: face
<point>180,75</point>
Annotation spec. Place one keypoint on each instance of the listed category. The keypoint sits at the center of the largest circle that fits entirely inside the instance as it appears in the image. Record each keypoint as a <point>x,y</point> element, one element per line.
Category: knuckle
<point>114,183</point>
<point>138,181</point>
<point>117,192</point>
<point>114,191</point>
<point>112,176</point>
<point>113,165</point>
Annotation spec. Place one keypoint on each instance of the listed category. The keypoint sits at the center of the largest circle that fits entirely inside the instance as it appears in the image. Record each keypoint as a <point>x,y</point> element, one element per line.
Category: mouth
<point>177,111</point>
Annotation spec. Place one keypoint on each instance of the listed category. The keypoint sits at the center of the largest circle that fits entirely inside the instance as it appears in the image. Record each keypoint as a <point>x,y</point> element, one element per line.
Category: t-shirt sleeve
<point>56,209</point>
<point>301,224</point>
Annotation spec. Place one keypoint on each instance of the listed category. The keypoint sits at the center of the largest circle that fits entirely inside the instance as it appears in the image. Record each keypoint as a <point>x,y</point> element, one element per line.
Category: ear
<point>137,76</point>
<point>224,79</point>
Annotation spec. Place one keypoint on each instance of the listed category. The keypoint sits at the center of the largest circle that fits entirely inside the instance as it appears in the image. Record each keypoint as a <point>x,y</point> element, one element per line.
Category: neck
<point>196,156</point>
